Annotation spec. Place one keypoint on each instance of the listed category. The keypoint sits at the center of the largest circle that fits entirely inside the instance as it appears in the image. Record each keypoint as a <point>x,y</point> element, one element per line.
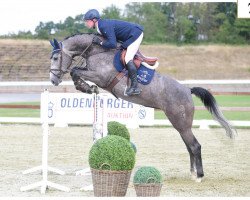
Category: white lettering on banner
<point>77,108</point>
<point>118,103</point>
<point>111,115</point>
<point>76,103</point>
<point>88,103</point>
<point>142,113</point>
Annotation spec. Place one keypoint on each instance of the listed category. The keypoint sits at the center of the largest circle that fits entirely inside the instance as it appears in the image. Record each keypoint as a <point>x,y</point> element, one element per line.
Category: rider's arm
<point>110,38</point>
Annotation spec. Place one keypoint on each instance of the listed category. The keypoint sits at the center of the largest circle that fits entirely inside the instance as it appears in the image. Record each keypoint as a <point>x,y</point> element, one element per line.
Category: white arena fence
<point>77,108</point>
<point>70,83</point>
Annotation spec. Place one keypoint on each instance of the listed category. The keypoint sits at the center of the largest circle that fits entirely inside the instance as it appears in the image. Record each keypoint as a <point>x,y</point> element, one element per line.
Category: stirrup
<point>134,91</point>
<point>125,91</point>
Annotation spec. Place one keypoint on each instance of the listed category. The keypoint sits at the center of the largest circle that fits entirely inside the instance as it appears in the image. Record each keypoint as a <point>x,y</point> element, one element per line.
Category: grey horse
<point>163,92</point>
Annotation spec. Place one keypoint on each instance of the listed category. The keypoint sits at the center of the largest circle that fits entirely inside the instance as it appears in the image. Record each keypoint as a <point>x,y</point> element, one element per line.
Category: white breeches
<point>133,48</point>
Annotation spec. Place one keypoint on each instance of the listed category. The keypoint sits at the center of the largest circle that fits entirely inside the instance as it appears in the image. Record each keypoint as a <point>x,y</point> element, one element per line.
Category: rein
<point>81,55</point>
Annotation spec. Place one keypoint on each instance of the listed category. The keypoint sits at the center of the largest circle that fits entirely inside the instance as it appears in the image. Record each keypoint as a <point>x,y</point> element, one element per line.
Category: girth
<point>117,78</point>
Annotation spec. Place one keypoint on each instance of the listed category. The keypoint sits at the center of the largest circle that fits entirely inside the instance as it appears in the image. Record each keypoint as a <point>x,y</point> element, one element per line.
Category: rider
<point>112,30</point>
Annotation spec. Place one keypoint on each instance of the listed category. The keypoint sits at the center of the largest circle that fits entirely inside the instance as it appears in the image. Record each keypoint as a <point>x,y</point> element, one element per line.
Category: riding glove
<point>97,40</point>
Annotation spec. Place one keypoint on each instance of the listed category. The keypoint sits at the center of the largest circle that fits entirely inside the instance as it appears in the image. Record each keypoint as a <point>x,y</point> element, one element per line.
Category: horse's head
<point>60,62</point>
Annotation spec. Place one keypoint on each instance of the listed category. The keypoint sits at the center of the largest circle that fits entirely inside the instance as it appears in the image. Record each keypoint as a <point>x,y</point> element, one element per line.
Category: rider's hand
<point>119,48</point>
<point>97,40</point>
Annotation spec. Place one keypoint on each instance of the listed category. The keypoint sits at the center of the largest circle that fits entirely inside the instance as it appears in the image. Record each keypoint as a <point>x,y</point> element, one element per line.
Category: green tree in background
<point>243,28</point>
<point>111,12</point>
<point>43,30</point>
<point>163,22</point>
<point>23,35</point>
<point>150,16</point>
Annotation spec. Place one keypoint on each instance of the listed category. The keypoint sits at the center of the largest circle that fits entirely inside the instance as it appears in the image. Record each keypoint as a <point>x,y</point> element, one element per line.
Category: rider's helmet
<point>91,14</point>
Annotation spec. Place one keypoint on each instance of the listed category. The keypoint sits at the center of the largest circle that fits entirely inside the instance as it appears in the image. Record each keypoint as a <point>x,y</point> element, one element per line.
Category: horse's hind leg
<point>194,149</point>
<point>193,171</point>
<point>182,122</point>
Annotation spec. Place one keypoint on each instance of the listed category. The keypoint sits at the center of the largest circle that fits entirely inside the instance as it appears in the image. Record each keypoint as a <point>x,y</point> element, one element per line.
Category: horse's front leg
<point>79,82</point>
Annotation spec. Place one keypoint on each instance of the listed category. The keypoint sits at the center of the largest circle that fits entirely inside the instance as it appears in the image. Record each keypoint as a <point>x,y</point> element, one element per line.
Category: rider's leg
<point>132,72</point>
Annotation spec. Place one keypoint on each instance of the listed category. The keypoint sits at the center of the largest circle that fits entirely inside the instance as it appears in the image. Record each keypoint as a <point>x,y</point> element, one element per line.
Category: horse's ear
<point>52,43</point>
<point>56,44</point>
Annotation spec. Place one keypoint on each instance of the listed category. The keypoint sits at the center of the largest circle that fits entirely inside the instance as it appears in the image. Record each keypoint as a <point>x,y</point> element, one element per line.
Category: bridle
<point>60,70</point>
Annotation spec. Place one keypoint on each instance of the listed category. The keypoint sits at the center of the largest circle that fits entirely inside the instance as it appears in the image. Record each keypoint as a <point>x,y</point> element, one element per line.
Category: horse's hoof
<point>195,178</point>
<point>96,90</point>
<point>193,175</point>
<point>198,180</point>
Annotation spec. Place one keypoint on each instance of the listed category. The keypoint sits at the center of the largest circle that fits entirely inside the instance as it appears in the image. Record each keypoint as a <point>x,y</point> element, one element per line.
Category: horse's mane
<point>97,34</point>
<point>76,35</point>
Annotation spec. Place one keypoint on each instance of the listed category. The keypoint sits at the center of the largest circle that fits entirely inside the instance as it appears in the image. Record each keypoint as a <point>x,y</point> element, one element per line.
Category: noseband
<point>60,70</point>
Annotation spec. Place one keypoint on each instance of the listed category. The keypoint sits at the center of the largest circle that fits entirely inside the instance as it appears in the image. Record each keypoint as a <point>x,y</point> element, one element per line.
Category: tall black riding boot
<point>132,73</point>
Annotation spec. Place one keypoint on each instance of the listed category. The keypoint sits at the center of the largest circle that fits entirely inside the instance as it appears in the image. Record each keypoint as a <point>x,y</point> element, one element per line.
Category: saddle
<point>149,62</point>
<point>145,68</point>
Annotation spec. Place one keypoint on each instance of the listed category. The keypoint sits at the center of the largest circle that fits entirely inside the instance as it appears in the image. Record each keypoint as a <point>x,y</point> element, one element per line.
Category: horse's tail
<point>210,103</point>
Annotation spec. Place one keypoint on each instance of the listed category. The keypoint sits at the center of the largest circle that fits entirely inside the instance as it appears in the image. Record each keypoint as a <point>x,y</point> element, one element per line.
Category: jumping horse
<point>163,92</point>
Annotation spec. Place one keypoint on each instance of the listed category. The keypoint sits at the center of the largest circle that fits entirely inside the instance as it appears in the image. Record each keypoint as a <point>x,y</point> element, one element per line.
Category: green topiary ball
<point>146,175</point>
<point>112,153</point>
<point>116,128</point>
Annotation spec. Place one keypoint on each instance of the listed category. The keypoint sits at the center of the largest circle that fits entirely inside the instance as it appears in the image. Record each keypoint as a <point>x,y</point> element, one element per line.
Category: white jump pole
<point>104,115</point>
<point>100,128</point>
<point>44,167</point>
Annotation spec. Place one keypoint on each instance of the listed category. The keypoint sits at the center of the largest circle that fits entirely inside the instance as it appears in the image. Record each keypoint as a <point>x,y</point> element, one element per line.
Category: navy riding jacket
<point>117,30</point>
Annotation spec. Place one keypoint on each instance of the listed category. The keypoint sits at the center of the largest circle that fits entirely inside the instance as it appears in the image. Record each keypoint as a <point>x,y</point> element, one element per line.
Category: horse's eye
<point>55,58</point>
